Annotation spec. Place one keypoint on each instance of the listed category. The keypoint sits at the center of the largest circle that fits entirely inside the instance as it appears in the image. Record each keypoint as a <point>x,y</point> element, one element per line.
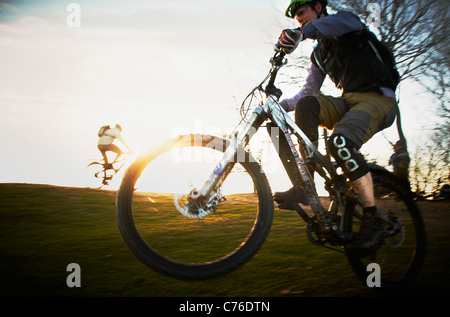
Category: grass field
<point>45,228</point>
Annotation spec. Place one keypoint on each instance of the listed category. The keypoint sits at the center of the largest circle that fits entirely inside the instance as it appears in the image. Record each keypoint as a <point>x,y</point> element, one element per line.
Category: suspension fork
<point>234,153</point>
<point>287,125</point>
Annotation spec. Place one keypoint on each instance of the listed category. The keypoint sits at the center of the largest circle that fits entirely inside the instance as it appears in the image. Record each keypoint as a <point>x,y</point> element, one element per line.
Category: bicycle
<point>222,217</point>
<point>106,171</point>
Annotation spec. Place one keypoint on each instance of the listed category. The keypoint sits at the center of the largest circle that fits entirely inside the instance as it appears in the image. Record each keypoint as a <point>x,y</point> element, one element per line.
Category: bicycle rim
<point>401,256</point>
<point>159,229</point>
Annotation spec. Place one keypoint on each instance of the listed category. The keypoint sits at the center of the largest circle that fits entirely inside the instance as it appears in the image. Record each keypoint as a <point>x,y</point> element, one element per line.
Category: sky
<point>159,68</point>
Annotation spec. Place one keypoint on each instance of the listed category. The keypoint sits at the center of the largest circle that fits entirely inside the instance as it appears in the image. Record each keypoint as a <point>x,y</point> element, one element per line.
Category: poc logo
<point>344,154</point>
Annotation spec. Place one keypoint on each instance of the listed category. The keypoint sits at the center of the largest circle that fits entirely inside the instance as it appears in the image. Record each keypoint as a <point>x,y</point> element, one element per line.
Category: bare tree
<point>440,145</point>
<point>430,169</point>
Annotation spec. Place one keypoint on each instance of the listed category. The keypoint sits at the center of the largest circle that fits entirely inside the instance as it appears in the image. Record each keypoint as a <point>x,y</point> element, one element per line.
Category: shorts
<point>109,147</point>
<point>357,116</point>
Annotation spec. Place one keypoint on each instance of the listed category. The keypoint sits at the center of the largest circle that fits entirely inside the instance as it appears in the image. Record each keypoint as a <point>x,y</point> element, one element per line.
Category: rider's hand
<point>289,40</point>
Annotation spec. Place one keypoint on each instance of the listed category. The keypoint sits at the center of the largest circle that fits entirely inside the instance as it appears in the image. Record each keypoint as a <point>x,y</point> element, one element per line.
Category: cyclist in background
<point>107,135</point>
<point>366,106</point>
<point>400,161</point>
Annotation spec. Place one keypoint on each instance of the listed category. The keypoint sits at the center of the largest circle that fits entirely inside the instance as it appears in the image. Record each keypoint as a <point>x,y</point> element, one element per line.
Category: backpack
<point>384,55</point>
<point>341,59</point>
<point>103,129</point>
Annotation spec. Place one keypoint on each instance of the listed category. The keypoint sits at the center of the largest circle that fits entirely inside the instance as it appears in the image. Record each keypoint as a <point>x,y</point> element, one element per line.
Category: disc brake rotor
<point>196,208</point>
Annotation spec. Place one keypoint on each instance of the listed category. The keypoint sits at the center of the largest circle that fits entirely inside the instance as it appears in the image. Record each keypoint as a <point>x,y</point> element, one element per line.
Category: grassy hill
<point>44,228</point>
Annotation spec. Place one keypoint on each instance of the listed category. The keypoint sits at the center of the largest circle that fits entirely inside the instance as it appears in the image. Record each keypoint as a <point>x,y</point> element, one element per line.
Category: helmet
<point>295,4</point>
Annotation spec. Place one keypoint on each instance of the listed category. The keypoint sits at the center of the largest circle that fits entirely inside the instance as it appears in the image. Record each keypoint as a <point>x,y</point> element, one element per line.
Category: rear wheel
<point>193,238</point>
<point>401,255</point>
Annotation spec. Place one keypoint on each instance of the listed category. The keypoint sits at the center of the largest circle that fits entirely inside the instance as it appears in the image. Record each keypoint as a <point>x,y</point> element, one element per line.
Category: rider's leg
<point>352,162</point>
<point>311,112</point>
<point>119,154</point>
<point>103,148</point>
<point>307,117</point>
<point>117,150</point>
<point>369,114</point>
<point>364,186</point>
<point>105,157</point>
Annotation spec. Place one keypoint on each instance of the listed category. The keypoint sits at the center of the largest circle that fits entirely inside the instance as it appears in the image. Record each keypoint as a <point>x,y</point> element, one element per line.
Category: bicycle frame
<point>271,110</point>
<point>335,226</point>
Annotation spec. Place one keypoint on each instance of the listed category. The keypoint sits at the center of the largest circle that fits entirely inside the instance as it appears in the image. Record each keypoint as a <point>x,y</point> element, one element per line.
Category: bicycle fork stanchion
<point>287,125</point>
<point>234,152</point>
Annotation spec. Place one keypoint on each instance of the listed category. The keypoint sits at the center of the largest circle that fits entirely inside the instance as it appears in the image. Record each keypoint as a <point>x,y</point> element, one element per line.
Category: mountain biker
<point>107,135</point>
<point>366,106</point>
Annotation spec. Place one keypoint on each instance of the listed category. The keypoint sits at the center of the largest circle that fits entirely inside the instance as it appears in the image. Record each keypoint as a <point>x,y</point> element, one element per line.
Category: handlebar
<point>277,61</point>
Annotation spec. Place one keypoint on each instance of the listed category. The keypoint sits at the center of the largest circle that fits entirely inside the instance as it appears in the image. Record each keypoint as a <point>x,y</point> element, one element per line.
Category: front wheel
<point>193,238</point>
<point>401,255</point>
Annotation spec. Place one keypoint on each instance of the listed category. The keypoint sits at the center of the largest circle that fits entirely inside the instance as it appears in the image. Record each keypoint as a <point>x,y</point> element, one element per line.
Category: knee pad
<point>307,116</point>
<point>347,156</point>
<point>307,105</point>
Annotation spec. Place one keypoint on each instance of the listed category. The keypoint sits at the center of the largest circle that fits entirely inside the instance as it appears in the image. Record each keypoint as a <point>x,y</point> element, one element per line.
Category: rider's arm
<point>119,137</point>
<point>333,25</point>
<point>312,87</point>
<point>330,26</point>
